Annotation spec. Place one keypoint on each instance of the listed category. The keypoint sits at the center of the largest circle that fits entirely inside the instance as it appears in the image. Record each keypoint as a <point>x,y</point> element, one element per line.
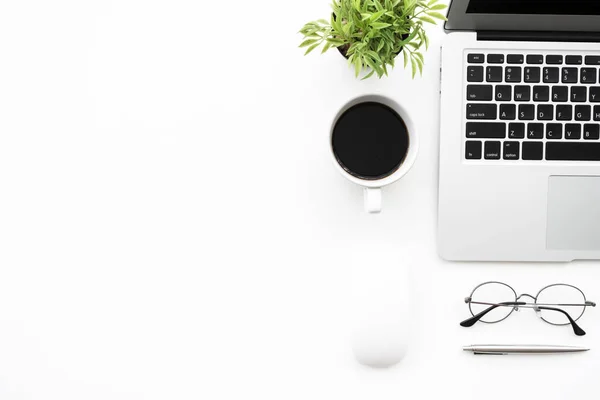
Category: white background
<point>171,226</point>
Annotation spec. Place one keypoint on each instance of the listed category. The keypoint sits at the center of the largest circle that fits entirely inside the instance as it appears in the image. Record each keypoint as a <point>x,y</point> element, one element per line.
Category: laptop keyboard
<point>532,107</point>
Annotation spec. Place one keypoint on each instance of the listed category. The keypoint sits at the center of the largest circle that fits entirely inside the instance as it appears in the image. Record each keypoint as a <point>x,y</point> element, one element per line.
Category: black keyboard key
<point>545,112</point>
<point>595,94</point>
<point>516,131</point>
<point>482,111</point>
<point>572,151</point>
<point>591,131</point>
<point>508,111</point>
<point>503,93</point>
<point>474,74</point>
<point>578,94</point>
<point>560,93</point>
<point>526,112</point>
<point>473,150</point>
<point>533,74</point>
<point>554,59</point>
<point>522,93</point>
<point>494,74</point>
<point>541,93</point>
<point>533,151</point>
<point>564,112</point>
<point>596,113</point>
<point>495,58</point>
<point>480,92</point>
<point>569,75</point>
<point>574,60</point>
<point>583,113</point>
<point>492,151</point>
<point>512,150</point>
<point>535,131</point>
<point>476,58</point>
<point>486,130</point>
<point>551,74</point>
<point>515,59</point>
<point>554,131</point>
<point>588,75</point>
<point>572,131</point>
<point>513,74</point>
<point>535,59</point>
<point>592,60</point>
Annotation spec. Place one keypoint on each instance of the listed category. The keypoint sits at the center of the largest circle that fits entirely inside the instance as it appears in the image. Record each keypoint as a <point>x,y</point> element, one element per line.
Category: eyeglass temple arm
<point>471,321</point>
<point>576,328</point>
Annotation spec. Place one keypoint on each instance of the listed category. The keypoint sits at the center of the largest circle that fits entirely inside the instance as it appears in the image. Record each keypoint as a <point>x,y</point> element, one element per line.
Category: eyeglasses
<point>558,304</point>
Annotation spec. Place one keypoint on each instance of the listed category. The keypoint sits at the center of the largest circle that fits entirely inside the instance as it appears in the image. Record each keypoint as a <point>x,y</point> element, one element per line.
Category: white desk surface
<point>171,226</point>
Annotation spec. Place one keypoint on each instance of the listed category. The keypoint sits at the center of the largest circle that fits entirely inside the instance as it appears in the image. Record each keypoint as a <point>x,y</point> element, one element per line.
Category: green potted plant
<point>371,33</point>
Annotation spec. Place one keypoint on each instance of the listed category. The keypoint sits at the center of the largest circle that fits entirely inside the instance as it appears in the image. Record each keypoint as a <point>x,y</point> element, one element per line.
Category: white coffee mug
<point>372,188</point>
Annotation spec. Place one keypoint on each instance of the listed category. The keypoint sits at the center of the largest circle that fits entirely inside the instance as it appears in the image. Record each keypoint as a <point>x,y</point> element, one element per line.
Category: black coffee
<point>370,141</point>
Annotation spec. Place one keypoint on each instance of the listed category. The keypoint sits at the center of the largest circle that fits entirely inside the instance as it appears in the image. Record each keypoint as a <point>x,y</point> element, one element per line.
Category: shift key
<point>486,130</point>
<point>482,111</point>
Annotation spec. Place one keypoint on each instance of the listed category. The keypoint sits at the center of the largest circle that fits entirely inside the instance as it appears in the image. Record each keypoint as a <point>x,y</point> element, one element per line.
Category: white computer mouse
<point>381,306</point>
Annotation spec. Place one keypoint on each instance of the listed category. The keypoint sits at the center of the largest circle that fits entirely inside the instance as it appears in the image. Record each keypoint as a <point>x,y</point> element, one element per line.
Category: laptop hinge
<point>520,36</point>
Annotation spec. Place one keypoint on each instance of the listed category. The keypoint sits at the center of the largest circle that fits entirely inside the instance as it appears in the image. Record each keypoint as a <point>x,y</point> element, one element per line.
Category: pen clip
<point>489,353</point>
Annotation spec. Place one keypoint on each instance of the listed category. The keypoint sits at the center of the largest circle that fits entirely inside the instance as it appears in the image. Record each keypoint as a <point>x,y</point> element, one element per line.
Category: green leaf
<point>346,29</point>
<point>438,7</point>
<point>357,66</point>
<point>326,47</point>
<point>308,42</point>
<point>374,56</point>
<point>410,37</point>
<point>309,29</point>
<point>380,25</point>
<point>366,16</point>
<point>409,5</point>
<point>437,15</point>
<point>311,48</point>
<point>377,15</point>
<point>425,18</point>
<point>414,67</point>
<point>370,74</point>
<point>335,42</point>
<point>371,64</point>
<point>404,53</point>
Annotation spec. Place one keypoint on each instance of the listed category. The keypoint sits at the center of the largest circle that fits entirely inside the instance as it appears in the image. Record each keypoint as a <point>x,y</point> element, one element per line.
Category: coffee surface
<point>370,141</point>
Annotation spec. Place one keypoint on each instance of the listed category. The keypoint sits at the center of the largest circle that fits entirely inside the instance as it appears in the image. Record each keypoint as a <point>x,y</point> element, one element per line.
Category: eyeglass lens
<point>492,292</point>
<point>565,297</point>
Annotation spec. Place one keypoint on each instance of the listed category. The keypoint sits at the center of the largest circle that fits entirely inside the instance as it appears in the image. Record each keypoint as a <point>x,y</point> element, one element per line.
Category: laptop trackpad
<point>573,213</point>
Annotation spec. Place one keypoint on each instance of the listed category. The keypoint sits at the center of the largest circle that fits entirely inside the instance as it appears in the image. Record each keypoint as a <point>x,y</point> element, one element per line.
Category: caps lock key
<point>482,111</point>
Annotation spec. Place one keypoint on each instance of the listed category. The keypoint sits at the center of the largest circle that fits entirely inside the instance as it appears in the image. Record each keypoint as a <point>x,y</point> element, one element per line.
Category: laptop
<point>519,175</point>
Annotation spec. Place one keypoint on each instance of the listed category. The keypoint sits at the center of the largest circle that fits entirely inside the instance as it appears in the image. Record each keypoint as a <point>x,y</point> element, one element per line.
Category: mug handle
<point>373,200</point>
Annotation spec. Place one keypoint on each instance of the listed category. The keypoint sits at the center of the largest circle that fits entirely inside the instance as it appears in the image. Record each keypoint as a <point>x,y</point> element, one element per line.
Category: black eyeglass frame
<point>536,306</point>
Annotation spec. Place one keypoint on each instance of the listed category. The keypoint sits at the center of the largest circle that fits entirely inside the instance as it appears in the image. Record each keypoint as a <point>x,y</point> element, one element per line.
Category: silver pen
<point>505,349</point>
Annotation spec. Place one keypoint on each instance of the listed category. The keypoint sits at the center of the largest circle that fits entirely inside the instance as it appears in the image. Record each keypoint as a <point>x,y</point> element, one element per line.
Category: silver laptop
<point>520,131</point>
